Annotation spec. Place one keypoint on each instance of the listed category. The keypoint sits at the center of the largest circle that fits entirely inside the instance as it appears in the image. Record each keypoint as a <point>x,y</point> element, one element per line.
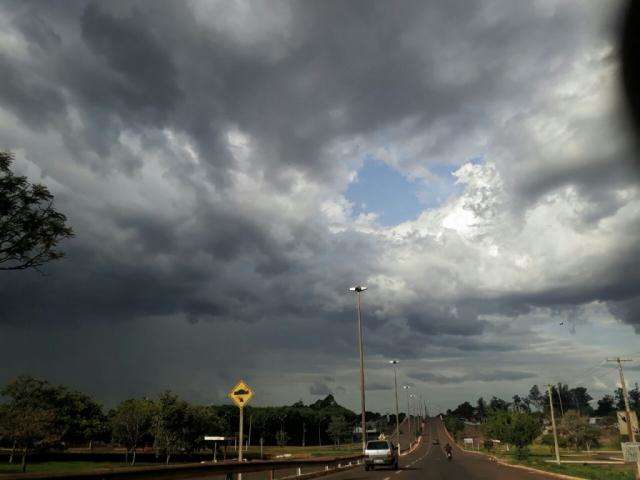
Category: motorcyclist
<point>448,450</point>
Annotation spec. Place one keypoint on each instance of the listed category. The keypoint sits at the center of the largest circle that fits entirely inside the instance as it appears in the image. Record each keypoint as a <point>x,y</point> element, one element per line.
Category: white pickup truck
<point>380,453</point>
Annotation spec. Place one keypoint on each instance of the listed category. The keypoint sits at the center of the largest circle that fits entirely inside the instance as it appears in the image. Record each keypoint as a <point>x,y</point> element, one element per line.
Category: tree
<point>130,421</point>
<point>78,418</point>
<point>577,430</point>
<point>282,438</point>
<point>171,416</point>
<point>26,426</point>
<point>453,424</point>
<point>521,404</point>
<point>605,406</point>
<point>548,440</point>
<point>464,410</point>
<point>481,409</point>
<point>338,429</point>
<point>634,398</point>
<point>30,227</point>
<point>517,428</point>
<point>29,419</point>
<point>497,404</point>
<point>31,427</point>
<point>198,422</point>
<point>538,399</point>
<point>579,400</point>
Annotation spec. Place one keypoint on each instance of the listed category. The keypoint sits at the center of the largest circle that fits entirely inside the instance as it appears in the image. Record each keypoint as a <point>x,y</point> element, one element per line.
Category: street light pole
<point>406,389</point>
<point>414,431</point>
<point>553,425</point>
<point>395,382</point>
<point>358,289</point>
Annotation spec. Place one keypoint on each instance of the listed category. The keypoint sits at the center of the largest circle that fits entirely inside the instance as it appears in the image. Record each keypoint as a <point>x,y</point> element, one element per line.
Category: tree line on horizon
<point>522,420</point>
<point>563,399</point>
<point>37,415</point>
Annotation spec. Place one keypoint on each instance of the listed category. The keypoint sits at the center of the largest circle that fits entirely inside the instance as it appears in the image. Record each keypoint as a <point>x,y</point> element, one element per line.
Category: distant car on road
<point>380,453</point>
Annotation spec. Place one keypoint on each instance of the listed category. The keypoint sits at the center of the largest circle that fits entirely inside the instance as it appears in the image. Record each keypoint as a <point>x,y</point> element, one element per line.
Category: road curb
<point>412,449</point>
<point>321,473</point>
<point>540,472</point>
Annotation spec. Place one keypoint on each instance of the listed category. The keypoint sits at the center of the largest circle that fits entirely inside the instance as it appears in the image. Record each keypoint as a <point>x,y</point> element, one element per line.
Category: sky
<point>231,168</point>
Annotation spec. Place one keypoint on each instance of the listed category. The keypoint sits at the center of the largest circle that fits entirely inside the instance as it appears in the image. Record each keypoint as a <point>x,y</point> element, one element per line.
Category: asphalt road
<point>404,435</point>
<point>428,462</point>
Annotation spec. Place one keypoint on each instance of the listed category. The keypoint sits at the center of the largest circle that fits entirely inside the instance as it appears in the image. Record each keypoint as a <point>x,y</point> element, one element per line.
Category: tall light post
<point>358,289</point>
<point>395,382</point>
<point>406,389</point>
<point>421,410</point>
<point>415,427</point>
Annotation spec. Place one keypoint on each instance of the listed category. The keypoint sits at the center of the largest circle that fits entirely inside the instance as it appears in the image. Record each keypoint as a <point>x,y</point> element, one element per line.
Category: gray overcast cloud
<point>204,154</point>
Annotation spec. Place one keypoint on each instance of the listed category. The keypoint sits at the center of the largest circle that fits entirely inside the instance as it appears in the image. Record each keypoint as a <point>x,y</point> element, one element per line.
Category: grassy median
<point>63,466</point>
<point>270,452</point>
<point>539,456</point>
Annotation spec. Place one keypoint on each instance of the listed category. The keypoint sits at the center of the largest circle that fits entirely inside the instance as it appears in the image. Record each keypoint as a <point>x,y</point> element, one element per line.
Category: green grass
<point>57,467</point>
<point>594,472</point>
<point>272,451</point>
<point>541,453</point>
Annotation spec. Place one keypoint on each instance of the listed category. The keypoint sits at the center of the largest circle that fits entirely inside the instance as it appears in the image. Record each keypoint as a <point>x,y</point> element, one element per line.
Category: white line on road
<point>398,472</point>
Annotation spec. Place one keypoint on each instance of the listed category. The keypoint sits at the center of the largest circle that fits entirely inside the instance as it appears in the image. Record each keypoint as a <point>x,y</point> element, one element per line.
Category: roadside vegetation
<point>45,421</point>
<point>519,431</point>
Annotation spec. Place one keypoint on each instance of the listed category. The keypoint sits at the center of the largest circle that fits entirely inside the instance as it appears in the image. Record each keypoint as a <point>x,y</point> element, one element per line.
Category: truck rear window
<point>377,446</point>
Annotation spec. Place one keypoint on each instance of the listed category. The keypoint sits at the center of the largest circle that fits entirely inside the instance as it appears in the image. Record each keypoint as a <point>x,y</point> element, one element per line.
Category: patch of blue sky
<point>394,198</point>
<point>382,190</point>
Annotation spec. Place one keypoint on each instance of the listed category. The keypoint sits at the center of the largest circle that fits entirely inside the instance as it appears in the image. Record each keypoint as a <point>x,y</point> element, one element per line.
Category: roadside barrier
<point>228,469</point>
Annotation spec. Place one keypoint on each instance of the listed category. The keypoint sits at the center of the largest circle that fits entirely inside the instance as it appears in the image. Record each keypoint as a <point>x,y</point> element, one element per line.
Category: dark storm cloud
<point>319,388</point>
<point>129,67</point>
<point>491,376</point>
<point>627,311</point>
<point>377,386</point>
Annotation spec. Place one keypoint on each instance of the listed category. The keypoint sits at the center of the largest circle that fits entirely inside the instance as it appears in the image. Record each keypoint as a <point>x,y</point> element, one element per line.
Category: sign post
<point>623,423</point>
<point>215,440</point>
<point>240,395</point>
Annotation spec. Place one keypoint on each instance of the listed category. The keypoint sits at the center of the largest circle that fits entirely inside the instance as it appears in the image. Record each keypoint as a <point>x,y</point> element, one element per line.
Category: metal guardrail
<point>227,468</point>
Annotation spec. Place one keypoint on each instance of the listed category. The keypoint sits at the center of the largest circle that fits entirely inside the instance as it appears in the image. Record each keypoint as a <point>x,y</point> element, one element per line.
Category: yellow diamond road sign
<point>241,394</point>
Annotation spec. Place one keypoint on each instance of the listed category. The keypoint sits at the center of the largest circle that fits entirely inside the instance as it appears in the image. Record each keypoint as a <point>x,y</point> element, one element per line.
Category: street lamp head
<point>393,362</point>
<point>406,387</point>
<point>358,289</point>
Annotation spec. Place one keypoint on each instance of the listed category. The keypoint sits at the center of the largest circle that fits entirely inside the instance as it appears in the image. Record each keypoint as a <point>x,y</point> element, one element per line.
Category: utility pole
<point>553,425</point>
<point>625,394</point>
<point>358,289</point>
<point>560,399</point>
<point>395,382</point>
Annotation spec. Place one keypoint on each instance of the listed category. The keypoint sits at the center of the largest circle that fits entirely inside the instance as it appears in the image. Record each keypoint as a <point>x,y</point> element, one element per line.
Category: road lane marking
<point>398,472</point>
<point>386,478</point>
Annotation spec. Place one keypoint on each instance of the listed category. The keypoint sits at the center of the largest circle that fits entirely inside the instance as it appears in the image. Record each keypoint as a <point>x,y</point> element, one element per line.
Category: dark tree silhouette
<point>30,228</point>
